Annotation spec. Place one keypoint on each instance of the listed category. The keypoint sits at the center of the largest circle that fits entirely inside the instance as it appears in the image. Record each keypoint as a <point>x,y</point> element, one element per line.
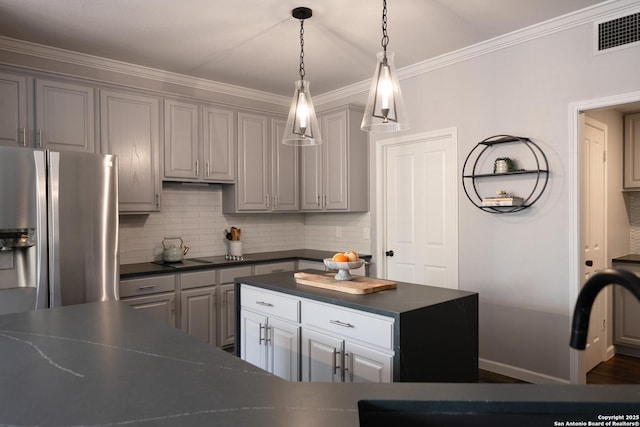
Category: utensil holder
<point>235,248</point>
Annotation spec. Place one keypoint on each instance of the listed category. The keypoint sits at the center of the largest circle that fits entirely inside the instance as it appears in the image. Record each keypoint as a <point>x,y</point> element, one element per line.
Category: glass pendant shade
<point>302,126</point>
<point>385,111</point>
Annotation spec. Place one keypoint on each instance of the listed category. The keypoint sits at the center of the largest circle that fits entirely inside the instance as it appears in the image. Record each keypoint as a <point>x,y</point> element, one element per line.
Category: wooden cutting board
<point>357,285</point>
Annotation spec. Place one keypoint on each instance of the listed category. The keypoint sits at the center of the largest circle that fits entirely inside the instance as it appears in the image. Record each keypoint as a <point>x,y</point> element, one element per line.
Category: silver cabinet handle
<point>143,287</point>
<point>40,138</point>
<point>265,304</point>
<point>157,201</point>
<point>343,324</point>
<point>266,199</point>
<point>318,200</point>
<point>260,339</point>
<point>335,366</point>
<point>324,200</point>
<point>24,137</point>
<point>197,168</point>
<point>208,171</point>
<point>275,201</point>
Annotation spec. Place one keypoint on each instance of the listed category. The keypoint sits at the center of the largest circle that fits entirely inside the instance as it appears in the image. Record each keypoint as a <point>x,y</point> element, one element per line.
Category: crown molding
<point>607,9</point>
<point>602,11</point>
<point>85,60</point>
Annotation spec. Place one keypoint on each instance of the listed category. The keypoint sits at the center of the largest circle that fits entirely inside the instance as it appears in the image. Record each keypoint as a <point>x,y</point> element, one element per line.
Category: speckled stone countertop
<point>104,364</point>
<point>148,268</point>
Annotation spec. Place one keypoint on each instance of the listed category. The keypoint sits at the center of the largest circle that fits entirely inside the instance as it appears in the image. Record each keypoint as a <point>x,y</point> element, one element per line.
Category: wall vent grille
<point>619,32</point>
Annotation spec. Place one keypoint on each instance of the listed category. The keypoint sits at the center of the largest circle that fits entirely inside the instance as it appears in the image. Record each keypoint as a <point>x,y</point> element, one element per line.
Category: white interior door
<point>593,230</point>
<point>419,209</point>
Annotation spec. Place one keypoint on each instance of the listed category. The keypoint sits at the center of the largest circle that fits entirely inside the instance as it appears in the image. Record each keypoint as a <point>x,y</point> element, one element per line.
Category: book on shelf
<point>502,201</point>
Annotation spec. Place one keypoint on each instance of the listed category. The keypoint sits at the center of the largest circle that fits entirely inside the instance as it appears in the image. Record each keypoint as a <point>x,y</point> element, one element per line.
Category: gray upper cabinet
<point>335,173</point>
<point>61,117</point>
<point>130,129</point>
<point>65,116</point>
<point>267,178</point>
<point>285,190</point>
<point>198,142</point>
<point>632,152</point>
<point>13,110</point>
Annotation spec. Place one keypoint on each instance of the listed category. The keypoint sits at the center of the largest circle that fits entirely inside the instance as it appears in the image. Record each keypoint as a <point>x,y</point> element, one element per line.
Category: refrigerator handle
<point>55,297</point>
<point>42,285</point>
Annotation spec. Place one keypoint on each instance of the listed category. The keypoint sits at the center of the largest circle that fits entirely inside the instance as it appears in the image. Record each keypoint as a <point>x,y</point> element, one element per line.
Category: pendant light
<point>385,110</point>
<point>302,126</point>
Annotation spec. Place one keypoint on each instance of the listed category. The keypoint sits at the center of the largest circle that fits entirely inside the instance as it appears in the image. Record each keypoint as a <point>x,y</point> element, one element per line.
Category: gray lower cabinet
<point>227,307</point>
<point>198,307</point>
<point>626,327</point>
<point>155,296</point>
<point>130,129</point>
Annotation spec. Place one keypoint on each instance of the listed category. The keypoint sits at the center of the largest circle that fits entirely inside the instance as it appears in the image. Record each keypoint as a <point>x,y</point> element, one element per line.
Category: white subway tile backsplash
<point>195,214</point>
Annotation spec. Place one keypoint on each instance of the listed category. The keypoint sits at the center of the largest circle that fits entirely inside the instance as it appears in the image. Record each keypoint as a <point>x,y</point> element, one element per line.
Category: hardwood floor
<point>620,369</point>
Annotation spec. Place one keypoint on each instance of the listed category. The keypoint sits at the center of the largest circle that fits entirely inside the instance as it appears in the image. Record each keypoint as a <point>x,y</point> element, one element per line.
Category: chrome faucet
<point>588,294</point>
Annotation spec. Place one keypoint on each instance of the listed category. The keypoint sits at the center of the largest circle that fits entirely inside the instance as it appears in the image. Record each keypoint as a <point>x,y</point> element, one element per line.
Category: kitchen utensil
<point>173,252</point>
<point>357,285</point>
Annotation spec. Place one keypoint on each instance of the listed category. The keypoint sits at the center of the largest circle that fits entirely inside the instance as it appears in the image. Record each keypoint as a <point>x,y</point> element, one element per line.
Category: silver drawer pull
<point>343,324</point>
<point>147,287</point>
<point>265,304</point>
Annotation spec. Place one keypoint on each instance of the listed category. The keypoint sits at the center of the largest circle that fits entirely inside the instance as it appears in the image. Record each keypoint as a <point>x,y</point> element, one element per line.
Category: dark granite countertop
<point>406,297</point>
<point>631,258</point>
<point>104,364</point>
<point>128,271</point>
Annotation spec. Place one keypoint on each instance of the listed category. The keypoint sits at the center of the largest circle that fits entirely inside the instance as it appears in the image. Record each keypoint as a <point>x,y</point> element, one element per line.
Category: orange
<point>340,258</point>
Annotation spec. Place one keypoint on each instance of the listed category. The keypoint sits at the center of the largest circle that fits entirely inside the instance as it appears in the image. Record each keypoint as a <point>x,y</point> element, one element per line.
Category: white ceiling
<point>255,43</point>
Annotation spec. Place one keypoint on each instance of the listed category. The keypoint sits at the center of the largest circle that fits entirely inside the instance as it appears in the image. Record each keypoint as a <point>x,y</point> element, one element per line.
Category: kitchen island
<point>105,364</point>
<point>409,333</point>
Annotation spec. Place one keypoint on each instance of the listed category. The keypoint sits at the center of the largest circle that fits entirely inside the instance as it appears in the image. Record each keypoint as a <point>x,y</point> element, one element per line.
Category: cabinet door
<point>321,357</point>
<point>252,187</point>
<point>363,364</point>
<point>218,140</point>
<point>13,110</point>
<point>311,177</point>
<point>65,116</point>
<point>252,331</point>
<point>283,349</point>
<point>284,171</point>
<point>160,307</point>
<point>198,313</point>
<point>226,334</point>
<point>632,151</point>
<point>130,129</point>
<point>335,159</point>
<point>181,140</point>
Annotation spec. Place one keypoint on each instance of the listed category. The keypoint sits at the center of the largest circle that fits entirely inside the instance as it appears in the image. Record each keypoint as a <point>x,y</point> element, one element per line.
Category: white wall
<point>519,263</point>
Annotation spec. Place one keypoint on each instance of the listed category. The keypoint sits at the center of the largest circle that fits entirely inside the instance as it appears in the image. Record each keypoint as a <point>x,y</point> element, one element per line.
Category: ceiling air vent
<point>619,32</point>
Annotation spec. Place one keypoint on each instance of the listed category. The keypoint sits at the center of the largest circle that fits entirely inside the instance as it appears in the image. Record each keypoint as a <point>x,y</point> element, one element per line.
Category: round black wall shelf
<point>479,155</point>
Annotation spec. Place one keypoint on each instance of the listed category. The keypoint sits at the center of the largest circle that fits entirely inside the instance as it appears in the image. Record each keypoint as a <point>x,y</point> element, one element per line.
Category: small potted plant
<point>503,165</point>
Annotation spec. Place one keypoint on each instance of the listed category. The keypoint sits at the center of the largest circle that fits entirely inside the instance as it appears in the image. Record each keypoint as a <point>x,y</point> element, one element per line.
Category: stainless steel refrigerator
<point>58,228</point>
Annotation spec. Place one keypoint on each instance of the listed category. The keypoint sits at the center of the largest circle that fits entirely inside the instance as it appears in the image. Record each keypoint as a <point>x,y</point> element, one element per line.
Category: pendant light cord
<point>385,37</point>
<point>301,71</point>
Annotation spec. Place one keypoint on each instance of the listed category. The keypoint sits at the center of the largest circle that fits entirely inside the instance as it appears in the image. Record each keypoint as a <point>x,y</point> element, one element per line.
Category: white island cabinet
<point>270,331</point>
<point>413,333</point>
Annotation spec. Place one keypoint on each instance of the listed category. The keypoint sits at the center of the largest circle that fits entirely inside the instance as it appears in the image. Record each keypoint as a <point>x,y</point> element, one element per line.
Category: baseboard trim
<point>519,373</point>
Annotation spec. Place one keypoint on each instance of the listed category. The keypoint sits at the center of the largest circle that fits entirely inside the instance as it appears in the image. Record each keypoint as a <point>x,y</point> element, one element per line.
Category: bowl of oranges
<point>343,262</point>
